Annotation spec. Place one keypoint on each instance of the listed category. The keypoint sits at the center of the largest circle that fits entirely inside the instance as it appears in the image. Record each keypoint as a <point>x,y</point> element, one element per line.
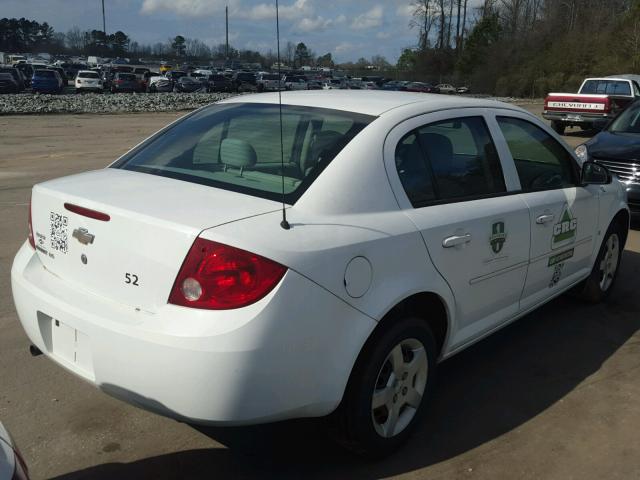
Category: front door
<point>564,215</point>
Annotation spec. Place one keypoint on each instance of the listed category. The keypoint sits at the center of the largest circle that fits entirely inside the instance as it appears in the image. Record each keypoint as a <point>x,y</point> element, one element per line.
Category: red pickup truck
<point>598,101</point>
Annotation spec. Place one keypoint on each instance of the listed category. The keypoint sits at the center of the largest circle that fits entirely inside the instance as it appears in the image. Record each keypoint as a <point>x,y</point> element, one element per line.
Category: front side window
<point>237,147</point>
<point>542,163</point>
<point>459,161</point>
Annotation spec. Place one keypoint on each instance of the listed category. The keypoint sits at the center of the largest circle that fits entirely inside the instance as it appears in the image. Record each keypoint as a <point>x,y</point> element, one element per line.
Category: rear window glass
<point>606,87</point>
<point>237,147</point>
<point>126,76</point>
<point>270,77</point>
<point>45,73</point>
<point>88,75</point>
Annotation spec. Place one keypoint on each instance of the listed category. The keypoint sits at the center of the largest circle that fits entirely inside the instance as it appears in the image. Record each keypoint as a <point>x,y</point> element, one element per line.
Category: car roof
<point>373,103</point>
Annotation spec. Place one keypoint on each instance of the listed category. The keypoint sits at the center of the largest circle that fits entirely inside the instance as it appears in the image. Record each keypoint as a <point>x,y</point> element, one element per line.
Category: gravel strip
<point>105,103</point>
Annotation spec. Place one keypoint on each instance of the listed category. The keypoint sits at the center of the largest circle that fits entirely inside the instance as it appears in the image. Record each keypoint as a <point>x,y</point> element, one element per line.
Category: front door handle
<point>456,240</point>
<point>542,219</point>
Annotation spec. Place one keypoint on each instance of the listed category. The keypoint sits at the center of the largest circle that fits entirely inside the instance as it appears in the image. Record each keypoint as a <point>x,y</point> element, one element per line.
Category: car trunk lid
<point>124,235</point>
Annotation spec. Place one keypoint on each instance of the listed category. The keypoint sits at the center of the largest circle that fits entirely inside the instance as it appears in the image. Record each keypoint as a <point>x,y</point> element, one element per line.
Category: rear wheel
<point>600,283</point>
<point>388,389</point>
<point>558,127</point>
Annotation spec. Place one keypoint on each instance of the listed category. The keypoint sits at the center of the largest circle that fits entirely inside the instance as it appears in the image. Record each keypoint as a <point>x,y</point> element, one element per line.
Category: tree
<point>407,60</point>
<point>178,46</point>
<point>75,40</point>
<point>119,43</point>
<point>423,17</point>
<point>302,55</point>
<point>325,60</point>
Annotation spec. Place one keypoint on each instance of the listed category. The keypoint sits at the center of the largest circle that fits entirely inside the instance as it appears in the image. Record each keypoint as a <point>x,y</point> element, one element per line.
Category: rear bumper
<point>584,118</point>
<point>289,355</point>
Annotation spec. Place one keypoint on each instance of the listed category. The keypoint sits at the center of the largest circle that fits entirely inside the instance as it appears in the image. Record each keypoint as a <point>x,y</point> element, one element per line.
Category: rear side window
<point>542,163</point>
<point>606,87</point>
<point>237,147</point>
<point>460,160</point>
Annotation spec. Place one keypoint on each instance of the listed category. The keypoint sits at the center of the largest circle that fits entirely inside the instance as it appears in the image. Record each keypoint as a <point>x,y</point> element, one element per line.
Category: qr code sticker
<point>59,232</point>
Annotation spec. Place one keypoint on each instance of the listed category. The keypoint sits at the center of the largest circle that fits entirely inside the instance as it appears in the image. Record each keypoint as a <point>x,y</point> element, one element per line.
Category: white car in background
<point>12,465</point>
<point>88,81</point>
<point>416,225</point>
<point>446,88</point>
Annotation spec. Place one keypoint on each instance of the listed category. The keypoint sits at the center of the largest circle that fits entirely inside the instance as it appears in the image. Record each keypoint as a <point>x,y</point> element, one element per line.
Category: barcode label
<point>59,232</point>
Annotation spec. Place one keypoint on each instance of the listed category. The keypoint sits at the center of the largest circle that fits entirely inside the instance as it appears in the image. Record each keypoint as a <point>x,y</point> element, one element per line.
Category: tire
<point>367,431</point>
<point>599,285</point>
<point>558,127</point>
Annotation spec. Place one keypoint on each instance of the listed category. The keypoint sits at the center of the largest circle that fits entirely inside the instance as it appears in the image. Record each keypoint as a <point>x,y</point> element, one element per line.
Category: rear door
<point>476,231</point>
<point>564,215</point>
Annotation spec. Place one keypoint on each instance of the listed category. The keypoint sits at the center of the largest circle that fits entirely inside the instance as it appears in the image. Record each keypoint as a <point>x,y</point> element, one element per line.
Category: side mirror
<point>595,174</point>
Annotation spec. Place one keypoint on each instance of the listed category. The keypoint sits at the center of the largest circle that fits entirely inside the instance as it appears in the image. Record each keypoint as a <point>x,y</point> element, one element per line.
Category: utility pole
<point>226,15</point>
<point>104,22</point>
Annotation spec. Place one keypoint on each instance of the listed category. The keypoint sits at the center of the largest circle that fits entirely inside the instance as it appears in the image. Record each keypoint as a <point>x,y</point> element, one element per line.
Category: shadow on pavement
<point>484,392</point>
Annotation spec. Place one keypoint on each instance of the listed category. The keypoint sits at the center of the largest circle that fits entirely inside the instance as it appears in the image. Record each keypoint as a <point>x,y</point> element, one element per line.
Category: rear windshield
<point>237,147</point>
<point>45,73</point>
<point>606,87</point>
<point>141,70</point>
<point>270,77</point>
<point>88,75</point>
<point>217,78</point>
<point>126,76</point>
<point>124,69</point>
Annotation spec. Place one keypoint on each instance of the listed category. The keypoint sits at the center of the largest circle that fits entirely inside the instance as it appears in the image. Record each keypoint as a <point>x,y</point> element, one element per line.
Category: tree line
<point>524,47</point>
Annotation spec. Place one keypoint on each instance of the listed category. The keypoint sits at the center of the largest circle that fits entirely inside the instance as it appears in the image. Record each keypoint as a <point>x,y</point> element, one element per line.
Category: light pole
<point>104,22</point>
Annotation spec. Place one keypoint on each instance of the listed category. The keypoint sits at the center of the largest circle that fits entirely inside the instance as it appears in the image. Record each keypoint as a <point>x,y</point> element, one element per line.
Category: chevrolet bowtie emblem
<point>83,236</point>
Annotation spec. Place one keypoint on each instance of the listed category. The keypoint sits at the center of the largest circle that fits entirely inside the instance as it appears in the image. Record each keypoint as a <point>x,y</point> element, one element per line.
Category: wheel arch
<point>622,218</point>
<point>429,306</point>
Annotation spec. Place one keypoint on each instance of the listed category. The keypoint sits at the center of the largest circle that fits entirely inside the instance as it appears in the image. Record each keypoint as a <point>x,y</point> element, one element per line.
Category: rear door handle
<point>456,240</point>
<point>542,219</point>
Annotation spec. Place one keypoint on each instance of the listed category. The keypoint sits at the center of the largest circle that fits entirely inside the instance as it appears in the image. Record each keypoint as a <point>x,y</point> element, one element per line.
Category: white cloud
<point>187,8</point>
<point>265,11</point>
<point>405,10</point>
<point>344,47</point>
<point>313,24</point>
<point>383,35</point>
<point>369,19</point>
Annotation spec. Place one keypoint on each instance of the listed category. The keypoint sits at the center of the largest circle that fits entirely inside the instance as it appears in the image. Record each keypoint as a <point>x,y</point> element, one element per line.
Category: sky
<point>348,29</point>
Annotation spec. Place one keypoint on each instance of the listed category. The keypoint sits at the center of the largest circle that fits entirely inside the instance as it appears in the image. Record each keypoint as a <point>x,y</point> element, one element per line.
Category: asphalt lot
<point>555,395</point>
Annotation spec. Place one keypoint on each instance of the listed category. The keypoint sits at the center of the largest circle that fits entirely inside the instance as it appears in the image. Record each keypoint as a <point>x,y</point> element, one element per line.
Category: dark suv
<point>244,82</point>
<point>125,82</point>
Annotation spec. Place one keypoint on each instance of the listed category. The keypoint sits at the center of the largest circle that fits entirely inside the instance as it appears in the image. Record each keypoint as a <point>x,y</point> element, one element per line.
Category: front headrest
<point>237,153</point>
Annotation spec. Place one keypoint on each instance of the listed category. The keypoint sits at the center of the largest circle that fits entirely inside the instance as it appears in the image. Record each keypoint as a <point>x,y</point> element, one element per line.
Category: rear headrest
<point>323,143</point>
<point>438,147</point>
<point>237,153</point>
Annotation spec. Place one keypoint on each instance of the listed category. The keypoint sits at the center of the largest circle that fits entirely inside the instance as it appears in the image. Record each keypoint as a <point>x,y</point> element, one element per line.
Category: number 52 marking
<point>131,278</point>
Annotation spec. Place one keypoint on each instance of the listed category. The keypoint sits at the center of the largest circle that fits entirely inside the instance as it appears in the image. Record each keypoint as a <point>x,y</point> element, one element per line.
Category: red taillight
<point>32,240</point>
<point>219,277</point>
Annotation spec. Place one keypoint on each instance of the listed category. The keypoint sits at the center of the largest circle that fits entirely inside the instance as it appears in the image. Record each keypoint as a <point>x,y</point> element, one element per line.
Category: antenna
<point>284,224</point>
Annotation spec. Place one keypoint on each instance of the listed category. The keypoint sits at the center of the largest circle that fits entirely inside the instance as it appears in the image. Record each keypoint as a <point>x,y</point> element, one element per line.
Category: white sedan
<point>415,226</point>
<point>88,81</point>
